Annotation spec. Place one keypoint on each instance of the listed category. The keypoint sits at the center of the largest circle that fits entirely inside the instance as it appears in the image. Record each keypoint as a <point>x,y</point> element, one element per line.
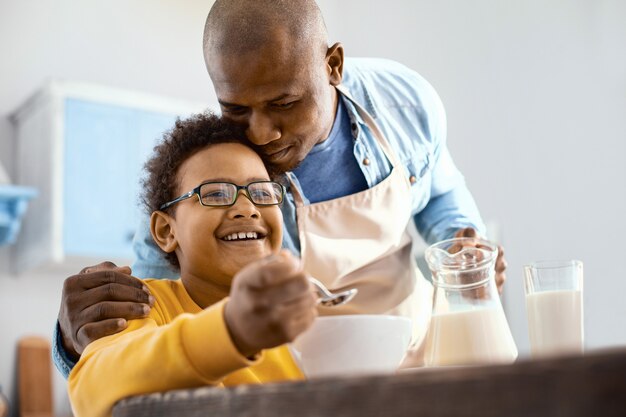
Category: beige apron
<point>361,241</point>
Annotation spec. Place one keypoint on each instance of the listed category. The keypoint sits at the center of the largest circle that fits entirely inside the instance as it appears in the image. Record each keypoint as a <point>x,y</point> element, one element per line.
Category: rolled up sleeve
<point>451,206</point>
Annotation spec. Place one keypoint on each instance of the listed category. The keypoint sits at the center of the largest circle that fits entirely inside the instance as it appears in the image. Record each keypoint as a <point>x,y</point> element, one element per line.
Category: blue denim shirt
<point>411,116</point>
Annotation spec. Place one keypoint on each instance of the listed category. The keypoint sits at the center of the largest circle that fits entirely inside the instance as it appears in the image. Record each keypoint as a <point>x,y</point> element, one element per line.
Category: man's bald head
<point>274,72</point>
<point>242,26</point>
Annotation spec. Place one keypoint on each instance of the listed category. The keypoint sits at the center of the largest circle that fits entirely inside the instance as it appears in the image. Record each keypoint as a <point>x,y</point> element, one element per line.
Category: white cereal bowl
<point>352,345</point>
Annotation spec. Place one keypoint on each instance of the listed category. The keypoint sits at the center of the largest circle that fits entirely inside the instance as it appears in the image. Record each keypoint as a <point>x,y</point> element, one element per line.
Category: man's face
<point>204,235</point>
<point>286,98</point>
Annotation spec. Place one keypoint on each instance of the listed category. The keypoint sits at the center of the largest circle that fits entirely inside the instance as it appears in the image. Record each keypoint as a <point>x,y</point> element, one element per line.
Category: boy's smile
<point>242,234</point>
<point>213,243</point>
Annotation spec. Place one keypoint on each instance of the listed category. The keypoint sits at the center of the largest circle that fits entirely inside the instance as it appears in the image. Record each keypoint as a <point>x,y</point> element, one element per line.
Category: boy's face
<point>199,232</point>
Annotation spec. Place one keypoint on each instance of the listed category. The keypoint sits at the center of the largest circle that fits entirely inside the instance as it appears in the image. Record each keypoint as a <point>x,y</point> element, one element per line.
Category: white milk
<point>555,322</point>
<point>470,337</point>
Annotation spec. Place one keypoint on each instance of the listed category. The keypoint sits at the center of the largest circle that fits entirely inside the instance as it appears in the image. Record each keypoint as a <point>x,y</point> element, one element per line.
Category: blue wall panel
<point>105,149</point>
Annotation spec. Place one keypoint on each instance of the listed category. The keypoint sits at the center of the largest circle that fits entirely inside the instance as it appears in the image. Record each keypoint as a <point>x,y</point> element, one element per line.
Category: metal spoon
<point>328,299</point>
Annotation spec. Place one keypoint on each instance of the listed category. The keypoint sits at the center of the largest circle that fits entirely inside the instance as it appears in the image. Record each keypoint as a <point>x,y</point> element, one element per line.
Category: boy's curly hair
<point>187,137</point>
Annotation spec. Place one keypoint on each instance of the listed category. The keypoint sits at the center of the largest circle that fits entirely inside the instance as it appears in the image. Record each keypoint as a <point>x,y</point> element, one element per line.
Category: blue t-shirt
<point>330,171</point>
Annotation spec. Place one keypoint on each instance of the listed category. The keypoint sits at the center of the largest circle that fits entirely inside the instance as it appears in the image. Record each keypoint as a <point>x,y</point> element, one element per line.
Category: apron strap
<point>371,123</point>
<point>295,190</point>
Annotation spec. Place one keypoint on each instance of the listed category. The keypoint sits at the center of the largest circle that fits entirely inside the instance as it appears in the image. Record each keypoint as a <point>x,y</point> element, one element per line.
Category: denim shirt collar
<point>356,121</point>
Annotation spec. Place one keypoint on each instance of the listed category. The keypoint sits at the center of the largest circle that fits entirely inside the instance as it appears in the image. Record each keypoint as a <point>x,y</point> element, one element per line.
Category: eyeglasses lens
<point>224,194</point>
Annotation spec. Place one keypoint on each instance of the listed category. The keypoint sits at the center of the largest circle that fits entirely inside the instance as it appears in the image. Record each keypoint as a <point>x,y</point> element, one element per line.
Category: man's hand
<point>97,302</point>
<point>271,302</point>
<point>500,261</point>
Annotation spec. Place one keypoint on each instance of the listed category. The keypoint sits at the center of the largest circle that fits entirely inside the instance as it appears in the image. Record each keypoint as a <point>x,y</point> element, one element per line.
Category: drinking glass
<point>554,304</point>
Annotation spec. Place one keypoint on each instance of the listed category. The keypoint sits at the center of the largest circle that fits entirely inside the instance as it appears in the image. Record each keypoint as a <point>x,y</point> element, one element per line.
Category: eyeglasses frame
<point>196,191</point>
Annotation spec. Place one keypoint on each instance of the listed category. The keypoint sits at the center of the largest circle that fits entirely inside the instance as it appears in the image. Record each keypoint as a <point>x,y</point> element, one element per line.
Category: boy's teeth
<point>241,235</point>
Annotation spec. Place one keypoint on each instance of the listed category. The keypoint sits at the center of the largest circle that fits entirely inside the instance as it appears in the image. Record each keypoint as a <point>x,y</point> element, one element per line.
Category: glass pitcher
<point>468,325</point>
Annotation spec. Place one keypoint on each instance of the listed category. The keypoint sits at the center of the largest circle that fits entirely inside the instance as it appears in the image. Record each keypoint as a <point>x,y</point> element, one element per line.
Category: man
<point>363,144</point>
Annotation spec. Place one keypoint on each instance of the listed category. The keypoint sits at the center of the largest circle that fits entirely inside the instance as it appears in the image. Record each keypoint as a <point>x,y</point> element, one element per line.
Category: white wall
<point>151,46</point>
<point>6,145</point>
<point>536,98</point>
<point>535,93</point>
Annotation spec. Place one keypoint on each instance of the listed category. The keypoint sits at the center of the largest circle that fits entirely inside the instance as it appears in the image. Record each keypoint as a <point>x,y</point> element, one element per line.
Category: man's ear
<point>334,63</point>
<point>162,230</point>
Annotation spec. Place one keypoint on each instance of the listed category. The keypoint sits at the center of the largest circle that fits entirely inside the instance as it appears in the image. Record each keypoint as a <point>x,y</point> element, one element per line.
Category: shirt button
<point>366,161</point>
<point>413,179</point>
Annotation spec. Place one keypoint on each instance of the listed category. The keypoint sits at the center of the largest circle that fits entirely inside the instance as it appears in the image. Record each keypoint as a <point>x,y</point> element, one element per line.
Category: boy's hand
<point>271,302</point>
<point>97,302</point>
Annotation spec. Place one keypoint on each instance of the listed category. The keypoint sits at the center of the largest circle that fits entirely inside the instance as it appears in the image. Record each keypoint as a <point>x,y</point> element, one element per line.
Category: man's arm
<point>95,303</point>
<point>451,206</point>
<point>452,211</point>
<point>446,214</point>
<point>98,301</point>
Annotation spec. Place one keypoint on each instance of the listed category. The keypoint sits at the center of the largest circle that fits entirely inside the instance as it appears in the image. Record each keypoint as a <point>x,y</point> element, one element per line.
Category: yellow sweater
<point>178,346</point>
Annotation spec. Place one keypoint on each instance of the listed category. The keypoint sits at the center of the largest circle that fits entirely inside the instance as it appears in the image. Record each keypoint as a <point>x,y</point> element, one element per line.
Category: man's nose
<point>243,207</point>
<point>261,129</point>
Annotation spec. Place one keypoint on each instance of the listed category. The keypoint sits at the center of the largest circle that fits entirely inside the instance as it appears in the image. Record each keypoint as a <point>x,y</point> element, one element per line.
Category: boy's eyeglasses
<point>223,194</point>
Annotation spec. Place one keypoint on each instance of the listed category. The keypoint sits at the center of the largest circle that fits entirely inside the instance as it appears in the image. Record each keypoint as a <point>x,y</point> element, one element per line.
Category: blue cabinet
<point>105,149</point>
<point>84,148</point>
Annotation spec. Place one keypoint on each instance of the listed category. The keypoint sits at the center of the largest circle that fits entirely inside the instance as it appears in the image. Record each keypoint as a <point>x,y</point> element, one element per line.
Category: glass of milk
<point>468,325</point>
<point>554,304</point>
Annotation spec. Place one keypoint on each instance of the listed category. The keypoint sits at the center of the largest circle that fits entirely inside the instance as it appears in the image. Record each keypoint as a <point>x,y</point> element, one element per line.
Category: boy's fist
<point>271,302</point>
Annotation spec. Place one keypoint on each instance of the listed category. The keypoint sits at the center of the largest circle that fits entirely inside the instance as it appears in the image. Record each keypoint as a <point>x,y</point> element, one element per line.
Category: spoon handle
<point>330,299</point>
<point>321,289</point>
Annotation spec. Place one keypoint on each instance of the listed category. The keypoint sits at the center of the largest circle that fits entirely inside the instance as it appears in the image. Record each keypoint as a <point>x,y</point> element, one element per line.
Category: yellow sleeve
<point>193,350</point>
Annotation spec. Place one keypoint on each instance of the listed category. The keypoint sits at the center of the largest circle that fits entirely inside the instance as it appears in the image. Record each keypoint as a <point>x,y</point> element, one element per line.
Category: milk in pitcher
<point>471,337</point>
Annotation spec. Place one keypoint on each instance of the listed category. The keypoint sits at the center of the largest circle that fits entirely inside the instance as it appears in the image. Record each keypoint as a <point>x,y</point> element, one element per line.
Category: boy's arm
<point>191,351</point>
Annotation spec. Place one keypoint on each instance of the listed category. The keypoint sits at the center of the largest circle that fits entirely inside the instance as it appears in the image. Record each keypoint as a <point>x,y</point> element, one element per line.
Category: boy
<point>238,300</point>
